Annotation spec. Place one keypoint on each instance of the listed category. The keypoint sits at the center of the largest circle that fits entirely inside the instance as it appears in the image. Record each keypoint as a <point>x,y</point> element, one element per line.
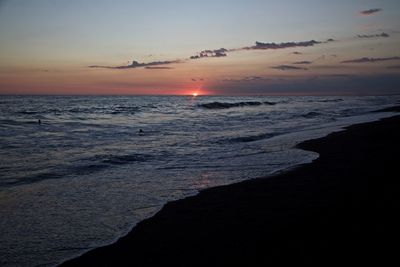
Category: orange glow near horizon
<point>195,94</point>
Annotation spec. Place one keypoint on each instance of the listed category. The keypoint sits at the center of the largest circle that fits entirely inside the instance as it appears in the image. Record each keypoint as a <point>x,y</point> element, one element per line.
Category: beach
<point>341,208</point>
<point>179,133</point>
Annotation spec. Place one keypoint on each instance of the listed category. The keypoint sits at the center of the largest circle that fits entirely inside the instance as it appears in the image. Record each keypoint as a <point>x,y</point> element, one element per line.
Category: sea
<point>78,172</point>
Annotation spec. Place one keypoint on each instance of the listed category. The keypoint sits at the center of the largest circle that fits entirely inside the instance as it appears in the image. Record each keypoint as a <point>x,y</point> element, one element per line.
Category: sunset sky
<point>247,47</point>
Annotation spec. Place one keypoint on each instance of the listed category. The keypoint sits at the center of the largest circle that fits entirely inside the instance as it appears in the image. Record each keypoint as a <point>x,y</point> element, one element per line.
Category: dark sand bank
<point>340,209</point>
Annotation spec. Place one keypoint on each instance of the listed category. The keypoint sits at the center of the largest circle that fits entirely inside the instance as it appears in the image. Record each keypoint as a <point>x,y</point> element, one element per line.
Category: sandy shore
<point>340,209</point>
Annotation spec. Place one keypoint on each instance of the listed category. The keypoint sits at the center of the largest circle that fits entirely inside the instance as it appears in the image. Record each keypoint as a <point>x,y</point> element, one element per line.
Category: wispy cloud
<point>370,59</point>
<point>302,62</point>
<point>288,67</point>
<point>383,35</point>
<point>197,79</point>
<point>335,84</point>
<point>244,79</point>
<point>136,64</point>
<point>339,75</point>
<point>211,53</point>
<point>158,68</point>
<point>370,11</point>
<point>265,46</point>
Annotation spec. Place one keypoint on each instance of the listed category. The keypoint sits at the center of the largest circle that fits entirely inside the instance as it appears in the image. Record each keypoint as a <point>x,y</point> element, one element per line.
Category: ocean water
<point>85,175</point>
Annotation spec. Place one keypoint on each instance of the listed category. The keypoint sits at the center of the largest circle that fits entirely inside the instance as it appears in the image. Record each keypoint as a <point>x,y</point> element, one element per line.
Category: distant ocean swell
<point>223,105</point>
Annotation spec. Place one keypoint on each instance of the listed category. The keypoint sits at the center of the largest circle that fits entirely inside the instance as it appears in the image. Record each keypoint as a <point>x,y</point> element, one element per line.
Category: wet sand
<point>340,209</point>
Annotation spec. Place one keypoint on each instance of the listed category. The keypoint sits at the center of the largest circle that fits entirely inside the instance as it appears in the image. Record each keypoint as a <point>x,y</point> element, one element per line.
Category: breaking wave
<point>249,138</point>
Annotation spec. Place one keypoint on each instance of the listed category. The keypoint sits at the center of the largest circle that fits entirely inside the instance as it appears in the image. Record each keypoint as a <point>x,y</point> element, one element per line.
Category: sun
<point>195,94</point>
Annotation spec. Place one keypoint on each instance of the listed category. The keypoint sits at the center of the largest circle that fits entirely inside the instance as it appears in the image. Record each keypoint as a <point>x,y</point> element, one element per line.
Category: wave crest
<point>224,105</point>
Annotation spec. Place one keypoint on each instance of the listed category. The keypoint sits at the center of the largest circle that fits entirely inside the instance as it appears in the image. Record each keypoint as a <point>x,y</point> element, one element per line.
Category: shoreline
<point>240,223</point>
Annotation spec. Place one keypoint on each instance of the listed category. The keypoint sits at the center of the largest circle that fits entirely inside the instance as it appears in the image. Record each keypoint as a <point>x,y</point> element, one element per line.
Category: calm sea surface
<point>86,175</point>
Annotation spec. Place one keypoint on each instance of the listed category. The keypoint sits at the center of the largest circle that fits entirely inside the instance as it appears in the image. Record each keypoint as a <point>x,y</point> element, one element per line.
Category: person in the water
<point>39,121</point>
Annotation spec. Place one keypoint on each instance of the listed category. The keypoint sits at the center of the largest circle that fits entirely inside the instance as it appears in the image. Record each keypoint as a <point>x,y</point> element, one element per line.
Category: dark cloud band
<point>136,64</point>
<point>288,67</point>
<point>370,59</point>
<point>211,53</point>
<point>265,46</point>
<point>245,79</point>
<point>370,11</point>
<point>302,62</point>
<point>158,68</point>
<point>383,35</point>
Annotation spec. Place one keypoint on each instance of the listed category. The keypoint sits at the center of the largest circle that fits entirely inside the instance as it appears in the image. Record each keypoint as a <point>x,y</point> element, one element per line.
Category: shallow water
<point>85,175</point>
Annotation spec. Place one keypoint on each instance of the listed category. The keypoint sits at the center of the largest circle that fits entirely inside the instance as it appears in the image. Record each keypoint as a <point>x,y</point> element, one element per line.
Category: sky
<point>219,47</point>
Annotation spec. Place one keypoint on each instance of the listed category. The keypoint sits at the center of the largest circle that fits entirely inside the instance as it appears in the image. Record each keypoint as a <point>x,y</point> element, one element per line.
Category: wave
<point>326,100</point>
<point>31,179</point>
<point>269,103</point>
<point>113,159</point>
<point>28,112</point>
<point>224,105</point>
<point>125,159</point>
<point>125,110</point>
<point>16,122</point>
<point>249,138</point>
<point>332,100</point>
<point>311,114</point>
<point>57,174</point>
<point>83,110</point>
<point>105,110</point>
<point>95,164</point>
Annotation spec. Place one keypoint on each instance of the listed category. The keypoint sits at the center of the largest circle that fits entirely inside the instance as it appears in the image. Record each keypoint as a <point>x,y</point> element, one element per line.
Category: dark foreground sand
<point>340,209</point>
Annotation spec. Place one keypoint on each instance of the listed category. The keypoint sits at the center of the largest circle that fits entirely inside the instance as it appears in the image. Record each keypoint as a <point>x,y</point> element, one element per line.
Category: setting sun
<point>195,94</point>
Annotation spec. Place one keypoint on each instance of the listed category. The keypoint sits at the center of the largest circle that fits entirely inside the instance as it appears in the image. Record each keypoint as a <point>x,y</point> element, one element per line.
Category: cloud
<point>265,46</point>
<point>383,34</point>
<point>335,84</point>
<point>297,53</point>
<point>221,52</point>
<point>339,75</point>
<point>370,11</point>
<point>197,79</point>
<point>158,68</point>
<point>370,59</point>
<point>288,67</point>
<point>302,62</point>
<point>245,79</point>
<point>136,64</point>
<point>211,53</point>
